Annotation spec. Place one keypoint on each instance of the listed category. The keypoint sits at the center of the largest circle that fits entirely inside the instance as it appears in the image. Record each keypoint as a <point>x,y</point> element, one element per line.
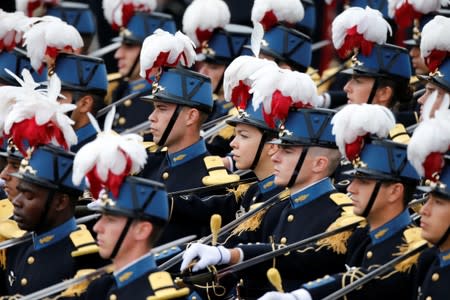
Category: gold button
<point>254,198</point>
<point>30,260</point>
<point>128,102</point>
<point>165,175</point>
<point>283,240</point>
<point>428,298</point>
<point>369,254</point>
<point>290,218</point>
<point>112,297</point>
<point>435,277</point>
<point>122,121</point>
<point>23,281</point>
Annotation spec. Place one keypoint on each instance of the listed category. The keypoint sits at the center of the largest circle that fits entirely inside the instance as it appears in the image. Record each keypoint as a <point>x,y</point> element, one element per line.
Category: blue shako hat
<point>138,198</point>
<point>227,43</point>
<point>384,61</point>
<point>308,127</point>
<point>185,87</point>
<point>381,5</point>
<point>79,15</point>
<point>441,77</point>
<point>82,73</point>
<point>50,167</point>
<point>252,117</point>
<point>289,45</point>
<point>16,61</point>
<point>441,188</point>
<point>141,25</point>
<point>384,160</point>
<point>308,24</point>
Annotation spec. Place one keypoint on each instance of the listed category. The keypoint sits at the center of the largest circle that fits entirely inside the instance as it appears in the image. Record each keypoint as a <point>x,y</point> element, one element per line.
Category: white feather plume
<point>432,135</point>
<point>435,36</point>
<point>178,47</point>
<point>356,120</point>
<point>114,10</point>
<point>240,69</point>
<point>109,152</point>
<point>205,15</point>
<point>11,33</point>
<point>50,32</point>
<point>421,6</point>
<point>290,11</point>
<point>369,23</point>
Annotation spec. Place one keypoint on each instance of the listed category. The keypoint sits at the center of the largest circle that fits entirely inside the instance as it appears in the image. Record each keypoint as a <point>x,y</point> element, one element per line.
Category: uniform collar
<point>387,230</point>
<point>267,185</point>
<point>134,270</point>
<point>311,192</point>
<point>55,235</point>
<point>444,258</point>
<point>85,132</point>
<point>187,154</point>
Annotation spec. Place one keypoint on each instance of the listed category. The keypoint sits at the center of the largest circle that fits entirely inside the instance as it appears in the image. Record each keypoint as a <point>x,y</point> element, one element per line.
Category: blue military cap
<point>384,61</point>
<point>82,73</point>
<point>289,45</point>
<point>227,43</point>
<point>308,24</point>
<point>308,127</point>
<point>381,5</point>
<point>16,61</point>
<point>185,87</point>
<point>383,159</point>
<point>79,15</point>
<point>49,167</point>
<point>252,117</point>
<point>441,188</point>
<point>138,198</point>
<point>141,25</point>
<point>441,77</point>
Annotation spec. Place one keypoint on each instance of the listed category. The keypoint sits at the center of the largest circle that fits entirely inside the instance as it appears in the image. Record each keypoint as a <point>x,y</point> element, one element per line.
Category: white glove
<point>323,100</point>
<point>300,294</point>
<point>208,255</point>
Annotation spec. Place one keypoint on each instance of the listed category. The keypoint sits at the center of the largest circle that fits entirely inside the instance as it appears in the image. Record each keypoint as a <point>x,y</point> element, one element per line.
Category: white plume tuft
<point>290,11</point>
<point>435,36</point>
<point>201,17</point>
<point>432,135</point>
<point>420,6</point>
<point>11,32</point>
<point>357,120</point>
<point>119,12</point>
<point>165,49</point>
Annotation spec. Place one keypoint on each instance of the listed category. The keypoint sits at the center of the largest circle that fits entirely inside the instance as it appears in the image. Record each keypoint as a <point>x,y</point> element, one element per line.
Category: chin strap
<point>122,236</point>
<point>443,238</point>
<point>373,91</point>
<point>170,124</point>
<point>43,217</point>
<point>298,167</point>
<point>372,198</point>
<point>262,142</point>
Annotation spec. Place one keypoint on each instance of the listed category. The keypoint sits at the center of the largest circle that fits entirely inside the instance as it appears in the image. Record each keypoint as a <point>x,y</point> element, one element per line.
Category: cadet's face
<point>245,145</point>
<point>435,218</point>
<point>361,190</point>
<point>358,89</point>
<point>11,182</point>
<point>108,229</point>
<point>126,57</point>
<point>429,90</point>
<point>213,71</point>
<point>418,62</point>
<point>284,161</point>
<point>29,205</point>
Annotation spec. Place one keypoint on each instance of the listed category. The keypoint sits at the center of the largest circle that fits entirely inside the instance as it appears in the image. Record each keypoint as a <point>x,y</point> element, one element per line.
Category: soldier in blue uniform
<point>383,183</point>
<point>45,206</point>
<point>305,159</point>
<point>134,111</point>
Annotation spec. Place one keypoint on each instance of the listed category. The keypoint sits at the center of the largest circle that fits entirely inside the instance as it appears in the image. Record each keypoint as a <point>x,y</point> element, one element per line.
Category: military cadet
<point>430,143</point>
<point>15,61</point>
<point>133,111</point>
<point>305,159</point>
<point>383,183</point>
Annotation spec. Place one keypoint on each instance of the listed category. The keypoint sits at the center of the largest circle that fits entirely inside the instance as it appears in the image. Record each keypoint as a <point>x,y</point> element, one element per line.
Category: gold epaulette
<point>8,230</point>
<point>338,242</point>
<point>83,241</point>
<point>113,83</point>
<point>153,147</point>
<point>399,134</point>
<point>414,80</point>
<point>164,288</point>
<point>240,190</point>
<point>77,289</point>
<point>226,132</point>
<point>6,209</point>
<point>217,172</point>
<point>412,237</point>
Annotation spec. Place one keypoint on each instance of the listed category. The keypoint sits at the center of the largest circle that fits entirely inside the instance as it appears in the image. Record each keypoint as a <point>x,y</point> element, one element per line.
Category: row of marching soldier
<point>217,164</point>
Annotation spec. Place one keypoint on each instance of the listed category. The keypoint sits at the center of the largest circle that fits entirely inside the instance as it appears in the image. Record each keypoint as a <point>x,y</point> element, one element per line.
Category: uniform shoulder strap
<point>164,287</point>
<point>412,237</point>
<point>83,242</point>
<point>217,173</point>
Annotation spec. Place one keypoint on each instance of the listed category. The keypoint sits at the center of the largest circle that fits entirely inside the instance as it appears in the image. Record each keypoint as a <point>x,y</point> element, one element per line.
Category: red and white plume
<point>35,8</point>
<point>39,118</point>
<point>428,144</point>
<point>359,28</point>
<point>119,12</point>
<point>163,49</point>
<point>267,13</point>
<point>11,33</point>
<point>279,90</point>
<point>202,17</point>
<point>108,159</point>
<point>352,123</point>
<point>47,37</point>
<point>236,79</point>
<point>405,11</point>
<point>435,42</point>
